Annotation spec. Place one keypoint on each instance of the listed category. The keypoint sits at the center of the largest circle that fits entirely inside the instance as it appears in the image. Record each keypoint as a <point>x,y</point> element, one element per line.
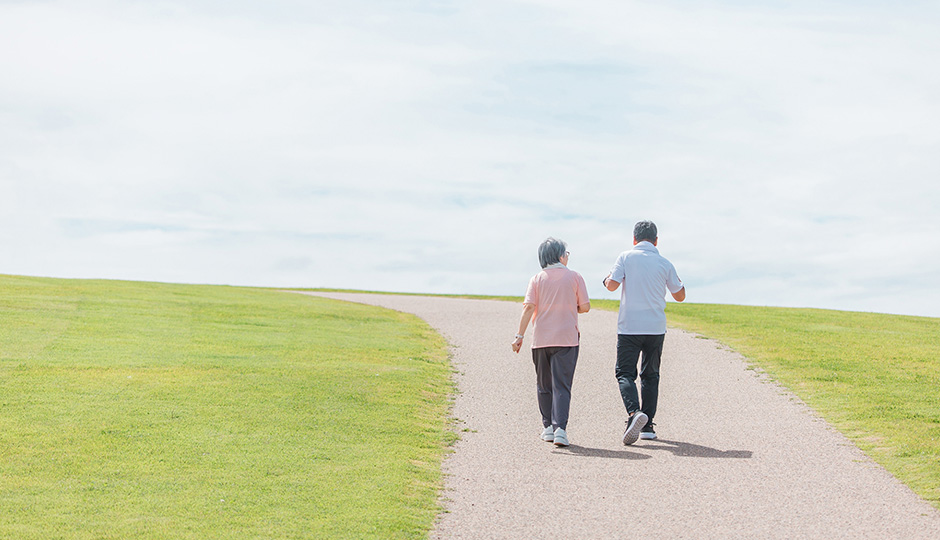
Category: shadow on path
<point>684,449</point>
<point>584,451</point>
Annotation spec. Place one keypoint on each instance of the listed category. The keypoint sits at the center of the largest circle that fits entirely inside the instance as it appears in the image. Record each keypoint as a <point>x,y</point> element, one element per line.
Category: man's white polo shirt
<point>645,276</point>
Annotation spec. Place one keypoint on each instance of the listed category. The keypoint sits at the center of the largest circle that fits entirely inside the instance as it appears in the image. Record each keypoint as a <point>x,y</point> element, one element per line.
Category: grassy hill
<point>875,377</point>
<point>144,410</point>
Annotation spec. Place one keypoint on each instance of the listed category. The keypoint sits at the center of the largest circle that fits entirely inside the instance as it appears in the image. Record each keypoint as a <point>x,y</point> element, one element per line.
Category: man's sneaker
<point>647,432</point>
<point>548,434</point>
<point>561,437</point>
<point>634,425</point>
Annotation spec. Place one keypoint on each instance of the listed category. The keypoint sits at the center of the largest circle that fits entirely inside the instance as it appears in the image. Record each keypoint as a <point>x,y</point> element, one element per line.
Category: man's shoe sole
<point>632,433</point>
<point>561,443</point>
<point>647,436</point>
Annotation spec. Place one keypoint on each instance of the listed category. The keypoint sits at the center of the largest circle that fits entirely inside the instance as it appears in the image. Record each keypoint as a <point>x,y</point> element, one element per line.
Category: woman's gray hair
<point>551,251</point>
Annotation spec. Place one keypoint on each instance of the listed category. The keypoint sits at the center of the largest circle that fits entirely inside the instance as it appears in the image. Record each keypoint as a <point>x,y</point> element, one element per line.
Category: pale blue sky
<point>787,150</point>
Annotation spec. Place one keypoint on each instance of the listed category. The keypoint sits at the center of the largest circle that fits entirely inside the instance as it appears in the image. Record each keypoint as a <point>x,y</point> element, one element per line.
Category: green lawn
<point>142,410</point>
<point>874,377</point>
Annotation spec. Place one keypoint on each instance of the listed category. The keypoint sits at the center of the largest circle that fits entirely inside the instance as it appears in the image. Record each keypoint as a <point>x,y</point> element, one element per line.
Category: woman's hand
<point>517,345</point>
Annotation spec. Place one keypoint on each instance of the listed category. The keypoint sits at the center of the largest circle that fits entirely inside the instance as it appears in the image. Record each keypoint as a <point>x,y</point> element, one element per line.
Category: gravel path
<point>737,456</point>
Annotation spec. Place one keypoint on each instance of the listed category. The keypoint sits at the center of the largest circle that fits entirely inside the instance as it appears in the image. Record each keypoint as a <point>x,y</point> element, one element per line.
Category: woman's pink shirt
<point>556,293</point>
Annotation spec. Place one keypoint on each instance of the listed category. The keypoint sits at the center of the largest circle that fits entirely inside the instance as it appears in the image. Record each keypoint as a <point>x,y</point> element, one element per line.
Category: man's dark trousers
<point>631,348</point>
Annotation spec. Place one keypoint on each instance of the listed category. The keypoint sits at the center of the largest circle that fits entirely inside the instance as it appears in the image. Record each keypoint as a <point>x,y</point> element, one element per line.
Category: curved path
<point>737,456</point>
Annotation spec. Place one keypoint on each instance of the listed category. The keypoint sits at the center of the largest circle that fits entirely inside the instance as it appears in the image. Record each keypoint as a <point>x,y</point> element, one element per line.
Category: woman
<point>552,302</point>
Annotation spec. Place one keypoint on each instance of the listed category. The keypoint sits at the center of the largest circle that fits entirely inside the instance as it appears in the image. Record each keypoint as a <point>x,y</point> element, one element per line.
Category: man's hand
<point>516,345</point>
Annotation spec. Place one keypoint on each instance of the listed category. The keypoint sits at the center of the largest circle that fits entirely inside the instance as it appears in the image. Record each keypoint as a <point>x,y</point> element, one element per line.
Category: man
<point>641,326</point>
<point>554,298</point>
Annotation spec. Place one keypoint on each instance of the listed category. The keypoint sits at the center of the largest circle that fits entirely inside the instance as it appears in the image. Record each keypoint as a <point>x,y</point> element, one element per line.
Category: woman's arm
<point>528,310</point>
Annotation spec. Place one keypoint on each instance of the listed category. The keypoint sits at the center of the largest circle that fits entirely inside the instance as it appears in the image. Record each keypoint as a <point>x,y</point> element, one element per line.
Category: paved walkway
<point>737,456</point>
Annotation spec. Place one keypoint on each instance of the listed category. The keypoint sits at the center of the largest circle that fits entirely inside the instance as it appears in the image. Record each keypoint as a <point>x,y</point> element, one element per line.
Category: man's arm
<point>528,310</point>
<point>585,307</point>
<point>611,284</point>
<point>679,296</point>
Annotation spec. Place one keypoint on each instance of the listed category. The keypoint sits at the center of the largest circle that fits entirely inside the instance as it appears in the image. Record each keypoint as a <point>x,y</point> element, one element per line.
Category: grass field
<point>141,410</point>
<point>875,377</point>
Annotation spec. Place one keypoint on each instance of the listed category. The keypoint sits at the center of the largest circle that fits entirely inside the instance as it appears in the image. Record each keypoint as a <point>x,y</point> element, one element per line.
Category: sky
<point>787,150</point>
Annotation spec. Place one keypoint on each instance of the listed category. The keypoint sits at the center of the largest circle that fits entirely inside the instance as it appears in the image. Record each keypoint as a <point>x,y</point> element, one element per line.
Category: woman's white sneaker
<point>561,437</point>
<point>548,434</point>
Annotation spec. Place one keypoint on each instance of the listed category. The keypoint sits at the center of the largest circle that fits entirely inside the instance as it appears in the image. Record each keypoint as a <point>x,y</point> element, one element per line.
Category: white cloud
<point>786,152</point>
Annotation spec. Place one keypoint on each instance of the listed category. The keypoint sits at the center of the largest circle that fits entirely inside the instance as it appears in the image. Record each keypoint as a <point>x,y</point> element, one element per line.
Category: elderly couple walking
<point>556,296</point>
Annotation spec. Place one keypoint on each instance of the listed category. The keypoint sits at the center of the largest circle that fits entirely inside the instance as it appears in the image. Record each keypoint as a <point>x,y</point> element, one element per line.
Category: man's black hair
<point>645,230</point>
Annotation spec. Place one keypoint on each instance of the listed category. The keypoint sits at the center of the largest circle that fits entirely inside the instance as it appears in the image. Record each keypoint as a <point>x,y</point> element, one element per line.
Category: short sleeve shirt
<point>556,292</point>
<point>645,275</point>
